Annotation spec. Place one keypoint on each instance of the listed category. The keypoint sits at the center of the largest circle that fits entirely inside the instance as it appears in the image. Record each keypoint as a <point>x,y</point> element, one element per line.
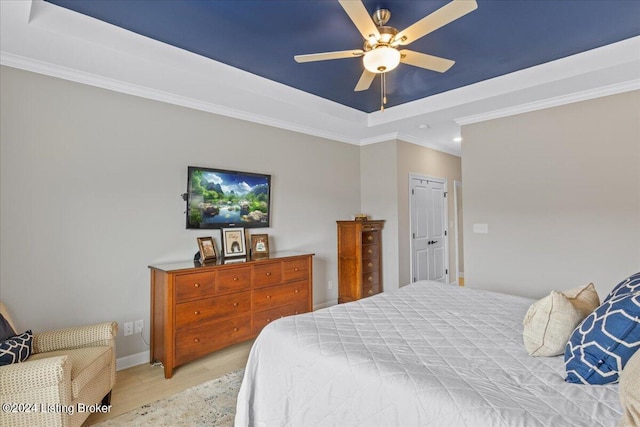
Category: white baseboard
<point>324,305</point>
<point>132,360</point>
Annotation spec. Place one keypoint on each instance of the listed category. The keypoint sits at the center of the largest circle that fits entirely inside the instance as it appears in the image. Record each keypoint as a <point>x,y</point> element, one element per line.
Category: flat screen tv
<point>218,198</point>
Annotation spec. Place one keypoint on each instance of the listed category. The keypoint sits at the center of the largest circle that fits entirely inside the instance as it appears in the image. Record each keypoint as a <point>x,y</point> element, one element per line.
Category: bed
<point>427,354</point>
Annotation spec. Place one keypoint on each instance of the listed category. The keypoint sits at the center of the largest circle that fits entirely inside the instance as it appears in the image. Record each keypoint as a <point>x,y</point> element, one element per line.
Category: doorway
<point>428,228</point>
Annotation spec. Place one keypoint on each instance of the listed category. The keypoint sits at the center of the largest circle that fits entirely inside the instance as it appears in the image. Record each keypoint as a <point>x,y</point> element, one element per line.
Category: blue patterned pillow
<point>630,285</point>
<point>603,343</point>
<point>16,349</point>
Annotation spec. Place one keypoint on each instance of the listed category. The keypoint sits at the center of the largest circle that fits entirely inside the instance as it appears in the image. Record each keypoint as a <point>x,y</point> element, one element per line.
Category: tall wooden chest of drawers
<point>196,310</point>
<point>359,259</point>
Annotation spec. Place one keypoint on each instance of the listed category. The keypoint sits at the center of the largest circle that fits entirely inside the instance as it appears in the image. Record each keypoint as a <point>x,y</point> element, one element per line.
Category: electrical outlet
<point>128,328</point>
<point>138,326</point>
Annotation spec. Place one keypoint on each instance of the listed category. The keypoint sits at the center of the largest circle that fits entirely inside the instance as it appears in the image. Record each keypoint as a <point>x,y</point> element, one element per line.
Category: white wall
<point>560,191</point>
<point>90,196</point>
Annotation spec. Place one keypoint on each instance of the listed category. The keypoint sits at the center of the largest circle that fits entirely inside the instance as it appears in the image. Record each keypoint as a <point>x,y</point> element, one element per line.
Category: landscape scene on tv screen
<point>219,198</point>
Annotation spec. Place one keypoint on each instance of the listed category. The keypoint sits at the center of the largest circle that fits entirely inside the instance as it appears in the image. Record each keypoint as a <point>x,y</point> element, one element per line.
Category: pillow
<point>630,285</point>
<point>549,322</point>
<point>602,344</point>
<point>16,349</point>
<point>630,392</point>
<point>6,330</point>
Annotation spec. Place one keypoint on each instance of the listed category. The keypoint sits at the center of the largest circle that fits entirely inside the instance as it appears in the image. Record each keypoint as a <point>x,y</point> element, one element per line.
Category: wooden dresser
<point>359,259</point>
<point>196,310</point>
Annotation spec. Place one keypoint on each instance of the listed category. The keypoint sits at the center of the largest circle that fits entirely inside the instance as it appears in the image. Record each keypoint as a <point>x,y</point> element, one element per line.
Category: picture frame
<point>207,248</point>
<point>233,242</point>
<point>259,245</point>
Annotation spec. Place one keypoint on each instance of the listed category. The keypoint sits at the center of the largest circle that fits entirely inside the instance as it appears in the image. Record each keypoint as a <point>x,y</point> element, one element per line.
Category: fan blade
<point>365,81</point>
<point>423,60</point>
<point>361,18</point>
<point>340,54</point>
<point>441,17</point>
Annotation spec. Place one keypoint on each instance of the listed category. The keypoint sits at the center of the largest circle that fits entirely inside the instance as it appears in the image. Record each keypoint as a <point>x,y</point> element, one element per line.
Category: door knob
<point>432,242</point>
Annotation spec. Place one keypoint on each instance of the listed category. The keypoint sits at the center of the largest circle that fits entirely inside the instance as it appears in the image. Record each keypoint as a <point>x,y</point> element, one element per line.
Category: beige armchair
<point>69,375</point>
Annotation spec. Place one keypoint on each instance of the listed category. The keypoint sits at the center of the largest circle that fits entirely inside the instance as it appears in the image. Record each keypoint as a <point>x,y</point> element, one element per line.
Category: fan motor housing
<point>386,35</point>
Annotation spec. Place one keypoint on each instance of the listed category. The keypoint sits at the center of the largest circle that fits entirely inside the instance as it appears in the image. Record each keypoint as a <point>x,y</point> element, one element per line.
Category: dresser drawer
<point>370,251</point>
<point>369,290</point>
<point>370,280</point>
<point>297,269</point>
<point>233,280</point>
<point>370,237</point>
<point>369,265</point>
<point>275,296</point>
<point>194,285</point>
<point>266,274</point>
<point>196,313</point>
<point>193,343</point>
<point>263,318</point>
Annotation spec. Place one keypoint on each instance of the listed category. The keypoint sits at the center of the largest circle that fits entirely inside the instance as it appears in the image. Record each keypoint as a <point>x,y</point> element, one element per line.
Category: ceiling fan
<point>381,51</point>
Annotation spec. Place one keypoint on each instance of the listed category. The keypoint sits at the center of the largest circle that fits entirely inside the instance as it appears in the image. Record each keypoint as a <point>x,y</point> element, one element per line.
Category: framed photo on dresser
<point>207,249</point>
<point>234,242</point>
<point>259,245</point>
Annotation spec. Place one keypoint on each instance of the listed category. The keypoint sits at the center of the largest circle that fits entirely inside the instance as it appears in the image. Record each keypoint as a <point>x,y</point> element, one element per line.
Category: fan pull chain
<point>383,91</point>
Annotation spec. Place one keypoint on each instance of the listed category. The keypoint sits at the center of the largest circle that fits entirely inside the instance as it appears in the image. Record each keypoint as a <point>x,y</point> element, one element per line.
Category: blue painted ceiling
<point>261,37</point>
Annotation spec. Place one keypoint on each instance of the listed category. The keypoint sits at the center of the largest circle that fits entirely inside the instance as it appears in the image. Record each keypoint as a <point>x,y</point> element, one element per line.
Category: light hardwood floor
<point>144,384</point>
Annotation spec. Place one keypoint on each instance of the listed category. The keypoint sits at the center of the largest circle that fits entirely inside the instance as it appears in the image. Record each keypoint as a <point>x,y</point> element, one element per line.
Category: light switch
<point>481,228</point>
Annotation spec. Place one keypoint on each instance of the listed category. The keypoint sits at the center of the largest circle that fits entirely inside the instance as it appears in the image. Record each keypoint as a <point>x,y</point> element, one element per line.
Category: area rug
<point>209,404</point>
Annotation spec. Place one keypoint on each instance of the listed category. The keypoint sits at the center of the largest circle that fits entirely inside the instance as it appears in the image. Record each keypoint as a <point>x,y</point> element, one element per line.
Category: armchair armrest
<point>76,337</point>
<point>21,380</point>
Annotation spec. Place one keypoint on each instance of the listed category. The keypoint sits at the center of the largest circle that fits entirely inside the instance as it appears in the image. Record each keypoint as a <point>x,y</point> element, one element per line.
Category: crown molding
<point>417,141</point>
<point>53,70</point>
<point>42,38</point>
<point>551,102</point>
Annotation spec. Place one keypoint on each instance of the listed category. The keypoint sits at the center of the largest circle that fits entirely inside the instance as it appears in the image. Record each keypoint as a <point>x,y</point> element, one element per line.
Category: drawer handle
<point>268,296</point>
<point>235,279</point>
<point>196,340</point>
<point>297,312</point>
<point>268,273</point>
<point>370,238</point>
<point>370,278</point>
<point>296,291</point>
<point>235,329</point>
<point>197,285</point>
<point>370,251</point>
<point>370,292</point>
<point>235,304</point>
<point>196,312</point>
<point>268,320</point>
<point>370,265</point>
<point>296,269</point>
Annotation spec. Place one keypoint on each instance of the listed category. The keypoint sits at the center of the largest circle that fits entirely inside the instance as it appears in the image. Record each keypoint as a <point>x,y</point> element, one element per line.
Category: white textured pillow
<point>630,392</point>
<point>549,322</point>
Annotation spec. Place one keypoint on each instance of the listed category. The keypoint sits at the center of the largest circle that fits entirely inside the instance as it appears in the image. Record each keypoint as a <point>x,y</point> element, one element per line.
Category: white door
<point>428,229</point>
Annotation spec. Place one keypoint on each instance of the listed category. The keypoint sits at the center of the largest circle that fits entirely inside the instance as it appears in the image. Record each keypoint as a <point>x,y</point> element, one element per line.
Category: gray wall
<point>560,191</point>
<point>380,201</point>
<point>90,196</point>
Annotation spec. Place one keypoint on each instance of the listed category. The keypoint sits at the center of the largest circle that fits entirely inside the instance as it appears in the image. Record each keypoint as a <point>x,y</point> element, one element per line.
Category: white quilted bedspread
<point>425,355</point>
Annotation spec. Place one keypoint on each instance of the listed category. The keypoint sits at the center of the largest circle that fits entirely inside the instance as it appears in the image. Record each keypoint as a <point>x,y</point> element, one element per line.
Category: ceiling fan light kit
<point>381,60</point>
<point>380,53</point>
